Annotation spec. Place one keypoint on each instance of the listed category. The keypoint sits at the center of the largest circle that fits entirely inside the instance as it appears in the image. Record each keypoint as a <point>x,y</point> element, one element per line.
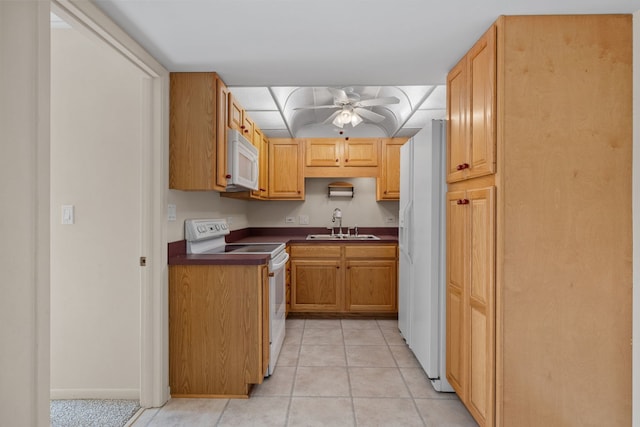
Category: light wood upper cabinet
<point>197,132</point>
<point>238,118</point>
<point>342,157</point>
<point>286,179</point>
<point>388,181</point>
<point>471,98</point>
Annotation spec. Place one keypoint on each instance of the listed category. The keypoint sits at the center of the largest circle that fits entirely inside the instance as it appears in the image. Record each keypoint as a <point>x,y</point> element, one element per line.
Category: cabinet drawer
<point>372,251</point>
<point>315,251</point>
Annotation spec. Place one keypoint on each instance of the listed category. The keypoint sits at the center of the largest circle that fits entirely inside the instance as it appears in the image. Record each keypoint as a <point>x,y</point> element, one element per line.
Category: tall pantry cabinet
<point>539,222</point>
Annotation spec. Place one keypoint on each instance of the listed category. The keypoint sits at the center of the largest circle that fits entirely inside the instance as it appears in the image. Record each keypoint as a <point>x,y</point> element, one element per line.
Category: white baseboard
<point>97,393</point>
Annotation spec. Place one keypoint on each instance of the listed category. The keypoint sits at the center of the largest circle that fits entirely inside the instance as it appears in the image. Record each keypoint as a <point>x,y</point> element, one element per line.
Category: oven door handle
<point>279,262</point>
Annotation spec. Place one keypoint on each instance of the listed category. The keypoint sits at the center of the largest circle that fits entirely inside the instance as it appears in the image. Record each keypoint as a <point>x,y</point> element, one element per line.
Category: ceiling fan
<point>351,110</point>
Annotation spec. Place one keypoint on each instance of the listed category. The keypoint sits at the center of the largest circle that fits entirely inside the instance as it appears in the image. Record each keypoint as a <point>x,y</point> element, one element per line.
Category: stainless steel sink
<point>335,237</point>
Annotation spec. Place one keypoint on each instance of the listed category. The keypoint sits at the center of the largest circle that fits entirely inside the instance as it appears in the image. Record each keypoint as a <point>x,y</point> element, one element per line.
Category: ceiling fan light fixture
<point>338,121</point>
<point>355,120</point>
<point>345,116</point>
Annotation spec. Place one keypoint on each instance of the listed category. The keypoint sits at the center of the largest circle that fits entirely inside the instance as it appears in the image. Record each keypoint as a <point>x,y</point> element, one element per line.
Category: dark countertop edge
<point>177,251</point>
<point>223,259</point>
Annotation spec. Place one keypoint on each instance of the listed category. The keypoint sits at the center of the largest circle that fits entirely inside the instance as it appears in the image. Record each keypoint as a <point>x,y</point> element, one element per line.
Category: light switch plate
<point>390,219</point>
<point>68,215</point>
<point>171,212</point>
<point>290,220</point>
<point>303,219</point>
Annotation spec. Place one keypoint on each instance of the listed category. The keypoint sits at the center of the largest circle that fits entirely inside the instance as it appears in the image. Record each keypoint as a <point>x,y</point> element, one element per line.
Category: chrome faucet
<point>337,214</point>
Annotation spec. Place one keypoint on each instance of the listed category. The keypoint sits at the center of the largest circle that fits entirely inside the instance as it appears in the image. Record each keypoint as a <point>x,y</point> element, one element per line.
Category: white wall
<point>204,204</point>
<point>95,166</point>
<point>636,219</point>
<point>362,210</point>
<point>24,223</point>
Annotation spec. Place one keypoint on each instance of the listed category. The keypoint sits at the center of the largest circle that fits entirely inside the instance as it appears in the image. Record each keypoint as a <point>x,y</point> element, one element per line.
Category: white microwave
<point>242,163</point>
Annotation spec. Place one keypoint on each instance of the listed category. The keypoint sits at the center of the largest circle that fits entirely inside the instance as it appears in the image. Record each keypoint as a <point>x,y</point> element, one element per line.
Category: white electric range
<point>207,236</point>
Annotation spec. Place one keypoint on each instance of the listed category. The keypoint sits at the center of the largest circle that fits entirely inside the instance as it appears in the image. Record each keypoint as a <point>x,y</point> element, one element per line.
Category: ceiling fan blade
<point>378,101</point>
<point>369,115</point>
<point>339,95</point>
<point>331,117</point>
<point>316,107</point>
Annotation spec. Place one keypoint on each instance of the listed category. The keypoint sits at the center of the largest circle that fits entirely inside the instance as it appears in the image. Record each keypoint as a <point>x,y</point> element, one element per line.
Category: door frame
<point>154,371</point>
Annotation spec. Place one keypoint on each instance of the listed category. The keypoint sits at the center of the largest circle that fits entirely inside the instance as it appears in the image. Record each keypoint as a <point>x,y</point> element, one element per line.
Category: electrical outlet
<point>390,219</point>
<point>290,220</point>
<point>303,219</point>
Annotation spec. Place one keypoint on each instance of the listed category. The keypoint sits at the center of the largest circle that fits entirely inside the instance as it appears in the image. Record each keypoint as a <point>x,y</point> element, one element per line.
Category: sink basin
<point>330,237</point>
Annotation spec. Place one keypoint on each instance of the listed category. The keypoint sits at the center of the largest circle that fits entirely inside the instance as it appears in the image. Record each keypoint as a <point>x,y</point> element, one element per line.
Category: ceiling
<point>279,55</point>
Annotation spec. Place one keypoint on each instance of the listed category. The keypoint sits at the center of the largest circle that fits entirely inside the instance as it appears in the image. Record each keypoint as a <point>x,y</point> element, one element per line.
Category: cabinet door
<point>263,181</point>
<point>480,216</point>
<point>236,114</point>
<point>248,126</point>
<point>316,285</point>
<point>286,180</point>
<point>360,152</point>
<point>221,147</point>
<point>323,152</point>
<point>266,337</point>
<point>371,285</point>
<point>481,79</point>
<point>456,293</point>
<point>471,299</point>
<point>388,183</point>
<point>457,146</point>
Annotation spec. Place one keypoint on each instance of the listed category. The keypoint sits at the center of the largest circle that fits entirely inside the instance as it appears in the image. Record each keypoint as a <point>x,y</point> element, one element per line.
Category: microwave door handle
<point>254,167</point>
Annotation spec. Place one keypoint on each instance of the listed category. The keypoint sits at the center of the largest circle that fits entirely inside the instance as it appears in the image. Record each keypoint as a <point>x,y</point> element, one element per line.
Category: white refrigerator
<point>422,301</point>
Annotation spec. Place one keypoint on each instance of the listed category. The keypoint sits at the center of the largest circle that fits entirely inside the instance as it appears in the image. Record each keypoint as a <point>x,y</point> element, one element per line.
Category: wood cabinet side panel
<point>566,285</point>
<point>192,131</point>
<point>215,329</point>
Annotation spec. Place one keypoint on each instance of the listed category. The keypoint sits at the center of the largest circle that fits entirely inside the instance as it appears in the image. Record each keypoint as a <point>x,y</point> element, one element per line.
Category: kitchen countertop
<point>177,254</point>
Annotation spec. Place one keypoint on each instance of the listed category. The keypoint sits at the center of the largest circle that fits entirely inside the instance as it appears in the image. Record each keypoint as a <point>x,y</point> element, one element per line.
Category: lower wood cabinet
<point>343,278</point>
<point>218,329</point>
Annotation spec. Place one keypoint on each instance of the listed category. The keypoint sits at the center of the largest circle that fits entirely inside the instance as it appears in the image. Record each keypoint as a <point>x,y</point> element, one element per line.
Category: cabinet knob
<point>337,160</point>
<point>272,274</point>
<point>242,127</point>
<point>246,131</point>
<point>346,160</point>
<point>463,201</point>
<point>227,176</point>
<point>463,166</point>
<point>338,267</point>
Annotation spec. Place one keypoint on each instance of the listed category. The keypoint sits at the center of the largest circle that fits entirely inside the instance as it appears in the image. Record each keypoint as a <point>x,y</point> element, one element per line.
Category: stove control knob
<point>217,227</point>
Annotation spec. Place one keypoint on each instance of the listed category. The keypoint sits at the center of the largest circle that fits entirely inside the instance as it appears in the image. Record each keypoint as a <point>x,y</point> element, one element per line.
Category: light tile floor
<point>330,372</point>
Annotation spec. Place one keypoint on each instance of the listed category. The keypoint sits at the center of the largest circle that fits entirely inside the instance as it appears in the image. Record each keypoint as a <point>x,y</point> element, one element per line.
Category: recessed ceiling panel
<point>254,98</point>
<point>267,119</point>
<point>436,100</point>
<point>421,117</point>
